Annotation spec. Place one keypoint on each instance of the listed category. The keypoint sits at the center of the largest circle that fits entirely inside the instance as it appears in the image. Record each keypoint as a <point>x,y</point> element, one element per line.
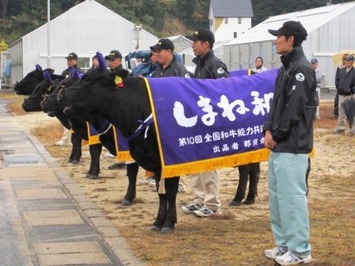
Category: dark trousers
<point>336,105</point>
<point>248,172</point>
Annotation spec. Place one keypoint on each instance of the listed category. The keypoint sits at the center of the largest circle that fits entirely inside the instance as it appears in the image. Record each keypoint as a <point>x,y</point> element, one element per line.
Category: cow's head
<point>82,98</point>
<point>49,104</point>
<point>46,86</point>
<point>29,82</point>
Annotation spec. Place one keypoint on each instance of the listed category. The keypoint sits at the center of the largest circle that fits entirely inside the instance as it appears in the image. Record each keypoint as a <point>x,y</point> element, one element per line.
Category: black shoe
<point>117,166</point>
<point>249,201</point>
<point>235,203</point>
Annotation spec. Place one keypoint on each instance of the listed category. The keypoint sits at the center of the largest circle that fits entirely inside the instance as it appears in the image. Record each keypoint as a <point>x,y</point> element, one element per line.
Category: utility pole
<point>138,28</point>
<point>48,34</point>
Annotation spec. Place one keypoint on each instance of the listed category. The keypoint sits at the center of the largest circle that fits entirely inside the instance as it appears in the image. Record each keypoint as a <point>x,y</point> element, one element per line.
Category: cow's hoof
<point>75,161</point>
<point>91,176</point>
<point>70,160</point>
<point>155,228</point>
<point>126,202</point>
<point>167,230</point>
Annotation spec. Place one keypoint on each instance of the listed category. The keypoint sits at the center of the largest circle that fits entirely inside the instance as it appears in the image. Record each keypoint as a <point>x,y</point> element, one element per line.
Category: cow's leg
<point>162,212</point>
<point>163,206</point>
<point>95,152</point>
<point>171,188</point>
<point>72,153</point>
<point>132,171</point>
<point>75,155</point>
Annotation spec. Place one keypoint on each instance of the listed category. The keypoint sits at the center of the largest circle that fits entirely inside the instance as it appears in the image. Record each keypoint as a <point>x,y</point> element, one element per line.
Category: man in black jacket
<point>115,63</point>
<point>289,136</point>
<point>345,84</point>
<point>205,186</point>
<point>72,63</point>
<point>114,60</point>
<point>167,64</point>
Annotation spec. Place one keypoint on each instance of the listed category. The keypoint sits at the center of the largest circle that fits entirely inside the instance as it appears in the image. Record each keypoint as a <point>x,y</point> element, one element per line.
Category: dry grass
<point>239,236</point>
<point>55,132</point>
<point>15,103</point>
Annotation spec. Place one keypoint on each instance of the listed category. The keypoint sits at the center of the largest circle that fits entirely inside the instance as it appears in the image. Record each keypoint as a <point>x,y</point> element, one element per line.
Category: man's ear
<point>291,39</point>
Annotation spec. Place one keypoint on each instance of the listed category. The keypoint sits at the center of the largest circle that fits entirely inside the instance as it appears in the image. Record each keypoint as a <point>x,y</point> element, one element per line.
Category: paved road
<point>45,217</point>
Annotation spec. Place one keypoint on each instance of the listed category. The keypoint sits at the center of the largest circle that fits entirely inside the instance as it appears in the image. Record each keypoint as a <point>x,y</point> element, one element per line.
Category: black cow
<point>107,139</point>
<point>124,106</point>
<point>50,105</point>
<point>46,86</point>
<point>30,81</point>
<point>38,91</point>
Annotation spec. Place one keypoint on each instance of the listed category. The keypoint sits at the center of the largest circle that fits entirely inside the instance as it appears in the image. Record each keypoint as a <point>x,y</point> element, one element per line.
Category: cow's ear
<point>38,67</point>
<point>76,74</point>
<point>47,75</point>
<point>50,70</point>
<point>102,61</point>
<point>123,73</point>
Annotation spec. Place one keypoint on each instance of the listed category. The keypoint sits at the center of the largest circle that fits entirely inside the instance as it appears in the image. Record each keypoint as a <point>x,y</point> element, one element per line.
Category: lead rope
<point>144,125</point>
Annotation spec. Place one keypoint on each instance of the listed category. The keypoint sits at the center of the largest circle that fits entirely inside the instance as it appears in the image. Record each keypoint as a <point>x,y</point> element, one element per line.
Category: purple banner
<point>203,120</point>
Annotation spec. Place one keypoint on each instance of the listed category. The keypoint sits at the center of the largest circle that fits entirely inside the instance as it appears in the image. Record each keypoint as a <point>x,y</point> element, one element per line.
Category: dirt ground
<point>239,235</point>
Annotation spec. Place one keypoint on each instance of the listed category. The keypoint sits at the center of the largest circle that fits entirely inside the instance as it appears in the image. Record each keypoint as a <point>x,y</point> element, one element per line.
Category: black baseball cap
<point>202,34</point>
<point>314,61</point>
<point>113,55</point>
<point>163,44</point>
<point>291,28</point>
<point>72,56</point>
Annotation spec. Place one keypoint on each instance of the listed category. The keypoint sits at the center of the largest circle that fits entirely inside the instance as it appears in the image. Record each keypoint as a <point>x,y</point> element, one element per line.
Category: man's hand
<point>268,140</point>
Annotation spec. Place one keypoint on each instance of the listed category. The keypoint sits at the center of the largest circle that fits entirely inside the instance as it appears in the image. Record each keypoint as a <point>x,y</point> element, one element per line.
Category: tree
<point>4,8</point>
<point>3,46</point>
<point>186,9</point>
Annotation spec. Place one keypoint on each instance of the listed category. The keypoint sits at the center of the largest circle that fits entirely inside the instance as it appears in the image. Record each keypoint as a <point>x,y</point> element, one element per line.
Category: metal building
<point>229,18</point>
<point>331,29</point>
<point>84,29</point>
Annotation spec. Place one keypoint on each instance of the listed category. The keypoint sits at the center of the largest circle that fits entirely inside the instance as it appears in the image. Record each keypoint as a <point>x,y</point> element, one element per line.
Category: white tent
<point>330,30</point>
<point>84,29</point>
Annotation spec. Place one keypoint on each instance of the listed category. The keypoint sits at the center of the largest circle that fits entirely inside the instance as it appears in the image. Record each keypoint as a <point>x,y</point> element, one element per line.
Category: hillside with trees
<point>160,17</point>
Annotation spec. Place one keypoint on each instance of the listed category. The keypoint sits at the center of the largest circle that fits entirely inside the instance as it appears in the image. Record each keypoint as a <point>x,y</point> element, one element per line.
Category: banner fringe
<point>120,155</point>
<point>218,163</point>
<point>124,156</point>
<point>95,139</point>
<point>215,163</point>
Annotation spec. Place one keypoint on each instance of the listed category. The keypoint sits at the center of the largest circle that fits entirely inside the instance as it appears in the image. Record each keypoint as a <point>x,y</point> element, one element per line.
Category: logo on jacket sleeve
<point>300,77</point>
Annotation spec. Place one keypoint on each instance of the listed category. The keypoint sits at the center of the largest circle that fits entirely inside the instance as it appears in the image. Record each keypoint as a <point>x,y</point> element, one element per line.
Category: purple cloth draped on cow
<point>210,124</point>
<point>121,144</point>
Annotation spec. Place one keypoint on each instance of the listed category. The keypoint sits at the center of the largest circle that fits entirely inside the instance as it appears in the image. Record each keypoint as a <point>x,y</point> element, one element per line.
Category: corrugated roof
<point>311,19</point>
<point>231,8</point>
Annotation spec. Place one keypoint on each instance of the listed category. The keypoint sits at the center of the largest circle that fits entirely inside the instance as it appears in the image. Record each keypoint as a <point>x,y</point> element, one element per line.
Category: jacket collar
<point>296,52</point>
<point>202,59</point>
<point>169,65</point>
